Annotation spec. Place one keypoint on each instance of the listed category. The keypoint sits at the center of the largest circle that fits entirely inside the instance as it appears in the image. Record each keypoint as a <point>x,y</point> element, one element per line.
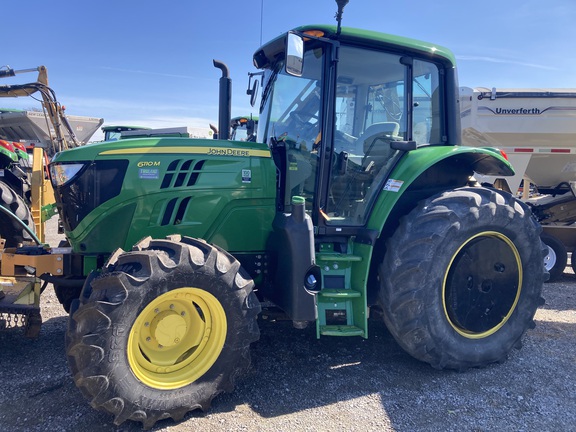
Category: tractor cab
<point>243,128</point>
<point>338,124</point>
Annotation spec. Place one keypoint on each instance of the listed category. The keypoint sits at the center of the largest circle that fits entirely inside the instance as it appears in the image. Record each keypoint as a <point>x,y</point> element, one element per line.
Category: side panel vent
<point>169,211</point>
<point>175,211</point>
<point>182,173</point>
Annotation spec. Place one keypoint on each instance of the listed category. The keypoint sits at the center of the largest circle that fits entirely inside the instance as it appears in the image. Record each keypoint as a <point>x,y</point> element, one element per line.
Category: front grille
<point>97,183</point>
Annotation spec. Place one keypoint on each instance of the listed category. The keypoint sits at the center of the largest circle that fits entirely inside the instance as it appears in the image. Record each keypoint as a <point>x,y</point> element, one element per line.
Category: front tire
<point>11,230</point>
<point>462,277</point>
<point>163,330</point>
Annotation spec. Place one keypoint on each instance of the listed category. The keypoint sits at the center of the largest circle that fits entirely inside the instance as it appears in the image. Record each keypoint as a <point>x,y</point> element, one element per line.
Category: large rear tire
<point>462,277</point>
<point>163,330</point>
<point>11,230</point>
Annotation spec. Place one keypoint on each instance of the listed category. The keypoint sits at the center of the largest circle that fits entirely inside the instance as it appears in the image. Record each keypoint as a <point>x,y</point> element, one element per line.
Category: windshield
<point>291,105</point>
<point>241,132</point>
<point>291,108</point>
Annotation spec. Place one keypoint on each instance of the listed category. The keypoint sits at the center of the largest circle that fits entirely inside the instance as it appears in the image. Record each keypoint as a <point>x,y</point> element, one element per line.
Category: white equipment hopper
<point>535,127</point>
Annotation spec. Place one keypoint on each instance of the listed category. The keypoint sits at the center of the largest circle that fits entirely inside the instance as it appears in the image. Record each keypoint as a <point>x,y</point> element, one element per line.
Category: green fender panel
<point>414,164</point>
<point>440,167</point>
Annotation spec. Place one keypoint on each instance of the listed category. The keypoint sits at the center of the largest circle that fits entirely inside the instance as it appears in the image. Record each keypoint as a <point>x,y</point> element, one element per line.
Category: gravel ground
<point>298,383</point>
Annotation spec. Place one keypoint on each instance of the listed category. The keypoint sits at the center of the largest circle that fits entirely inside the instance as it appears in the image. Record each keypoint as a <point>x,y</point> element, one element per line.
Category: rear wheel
<point>10,230</point>
<point>557,258</point>
<point>462,277</point>
<point>163,330</point>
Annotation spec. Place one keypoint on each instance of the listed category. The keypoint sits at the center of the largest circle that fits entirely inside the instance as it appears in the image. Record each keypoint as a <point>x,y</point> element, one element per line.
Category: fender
<point>428,170</point>
<point>419,174</point>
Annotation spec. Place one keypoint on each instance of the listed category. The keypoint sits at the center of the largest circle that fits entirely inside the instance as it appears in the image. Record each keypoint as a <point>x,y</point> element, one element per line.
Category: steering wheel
<point>390,105</point>
<point>306,130</point>
<point>299,118</point>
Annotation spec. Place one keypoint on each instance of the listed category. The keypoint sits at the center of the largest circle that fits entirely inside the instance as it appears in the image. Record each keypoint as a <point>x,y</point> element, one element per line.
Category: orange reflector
<point>315,33</point>
<point>504,155</point>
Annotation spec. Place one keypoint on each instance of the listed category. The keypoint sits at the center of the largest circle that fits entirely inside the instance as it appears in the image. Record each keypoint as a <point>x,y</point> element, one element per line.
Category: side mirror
<point>294,54</point>
<point>253,92</point>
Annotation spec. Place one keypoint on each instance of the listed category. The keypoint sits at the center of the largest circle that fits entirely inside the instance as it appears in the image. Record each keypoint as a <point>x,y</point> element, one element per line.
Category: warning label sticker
<point>393,185</point>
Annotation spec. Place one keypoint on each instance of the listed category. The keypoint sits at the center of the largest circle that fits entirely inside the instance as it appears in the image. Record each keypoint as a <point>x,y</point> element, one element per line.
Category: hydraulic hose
<point>26,227</point>
<point>46,277</point>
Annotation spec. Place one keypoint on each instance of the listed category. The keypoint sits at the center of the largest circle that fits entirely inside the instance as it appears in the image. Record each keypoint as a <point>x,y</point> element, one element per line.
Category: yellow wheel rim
<point>177,338</point>
<point>482,285</point>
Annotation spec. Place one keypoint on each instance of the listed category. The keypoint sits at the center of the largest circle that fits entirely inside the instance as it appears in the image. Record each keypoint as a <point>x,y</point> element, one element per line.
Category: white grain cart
<point>537,130</point>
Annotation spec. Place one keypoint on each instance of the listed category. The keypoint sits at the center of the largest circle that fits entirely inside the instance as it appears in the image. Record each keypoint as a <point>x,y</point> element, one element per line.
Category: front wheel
<point>11,230</point>
<point>462,277</point>
<point>163,330</point>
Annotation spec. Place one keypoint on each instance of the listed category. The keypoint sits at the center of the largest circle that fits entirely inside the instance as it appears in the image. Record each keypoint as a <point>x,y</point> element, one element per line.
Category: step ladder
<point>341,308</point>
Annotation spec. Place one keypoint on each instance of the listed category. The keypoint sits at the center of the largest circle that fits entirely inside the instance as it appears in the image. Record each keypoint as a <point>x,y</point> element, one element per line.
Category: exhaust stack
<point>224,101</point>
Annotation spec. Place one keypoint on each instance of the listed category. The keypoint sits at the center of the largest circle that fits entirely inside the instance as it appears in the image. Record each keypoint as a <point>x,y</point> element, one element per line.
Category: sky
<point>150,63</point>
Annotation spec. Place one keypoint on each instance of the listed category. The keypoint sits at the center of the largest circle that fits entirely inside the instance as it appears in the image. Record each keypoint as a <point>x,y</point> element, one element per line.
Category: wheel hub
<point>176,338</point>
<point>550,259</point>
<point>482,284</point>
<point>168,328</point>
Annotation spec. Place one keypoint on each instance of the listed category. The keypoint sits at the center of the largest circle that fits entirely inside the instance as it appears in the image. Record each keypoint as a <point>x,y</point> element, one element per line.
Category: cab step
<point>340,305</point>
<point>341,330</point>
<point>339,293</point>
<point>334,256</point>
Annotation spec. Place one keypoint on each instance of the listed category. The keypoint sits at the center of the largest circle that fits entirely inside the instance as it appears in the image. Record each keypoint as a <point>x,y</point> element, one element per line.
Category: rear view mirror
<point>253,92</point>
<point>294,54</point>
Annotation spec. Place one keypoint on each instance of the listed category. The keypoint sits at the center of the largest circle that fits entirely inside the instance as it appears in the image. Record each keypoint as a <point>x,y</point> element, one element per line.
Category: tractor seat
<point>385,131</point>
<point>375,141</point>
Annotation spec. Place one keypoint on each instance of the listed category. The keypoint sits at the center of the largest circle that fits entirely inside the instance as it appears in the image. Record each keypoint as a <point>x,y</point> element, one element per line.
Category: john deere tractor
<point>243,128</point>
<point>355,196</point>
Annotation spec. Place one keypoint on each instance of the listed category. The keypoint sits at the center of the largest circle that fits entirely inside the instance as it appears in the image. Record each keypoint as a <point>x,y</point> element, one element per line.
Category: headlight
<point>60,174</point>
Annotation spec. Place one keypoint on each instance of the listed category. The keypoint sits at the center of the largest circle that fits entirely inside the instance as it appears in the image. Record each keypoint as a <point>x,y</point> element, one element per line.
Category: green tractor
<point>243,128</point>
<point>14,192</point>
<point>355,196</point>
<point>112,133</point>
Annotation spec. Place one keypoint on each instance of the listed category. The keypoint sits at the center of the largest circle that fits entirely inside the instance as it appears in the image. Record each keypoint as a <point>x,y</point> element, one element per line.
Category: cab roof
<point>367,38</point>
